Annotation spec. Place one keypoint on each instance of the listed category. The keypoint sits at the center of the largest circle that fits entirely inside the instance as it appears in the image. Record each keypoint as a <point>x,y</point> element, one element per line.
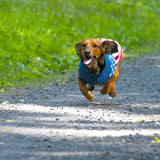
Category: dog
<point>99,65</point>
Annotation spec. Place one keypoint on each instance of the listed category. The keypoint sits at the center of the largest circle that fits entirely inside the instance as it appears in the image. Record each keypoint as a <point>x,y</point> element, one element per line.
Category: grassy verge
<point>37,37</point>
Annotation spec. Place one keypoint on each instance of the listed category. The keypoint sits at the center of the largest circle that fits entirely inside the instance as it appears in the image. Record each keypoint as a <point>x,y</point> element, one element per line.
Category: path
<point>57,123</point>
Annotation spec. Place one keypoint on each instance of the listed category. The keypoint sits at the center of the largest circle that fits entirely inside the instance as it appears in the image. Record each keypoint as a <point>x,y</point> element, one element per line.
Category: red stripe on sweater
<point>121,54</point>
<point>117,57</point>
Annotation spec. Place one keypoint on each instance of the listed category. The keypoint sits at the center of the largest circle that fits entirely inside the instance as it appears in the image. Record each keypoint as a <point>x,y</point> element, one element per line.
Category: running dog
<point>99,65</point>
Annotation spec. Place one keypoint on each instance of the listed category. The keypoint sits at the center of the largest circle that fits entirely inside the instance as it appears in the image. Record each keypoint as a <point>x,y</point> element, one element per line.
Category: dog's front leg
<point>84,90</point>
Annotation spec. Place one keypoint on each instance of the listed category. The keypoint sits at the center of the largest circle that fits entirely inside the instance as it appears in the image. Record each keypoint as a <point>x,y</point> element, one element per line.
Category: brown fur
<point>97,51</point>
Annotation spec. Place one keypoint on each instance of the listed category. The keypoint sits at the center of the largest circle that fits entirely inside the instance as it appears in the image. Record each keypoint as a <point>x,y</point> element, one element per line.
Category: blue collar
<point>105,74</point>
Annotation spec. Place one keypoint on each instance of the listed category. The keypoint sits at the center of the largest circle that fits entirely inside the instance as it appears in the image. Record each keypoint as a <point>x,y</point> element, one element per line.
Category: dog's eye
<point>95,46</point>
<point>83,45</point>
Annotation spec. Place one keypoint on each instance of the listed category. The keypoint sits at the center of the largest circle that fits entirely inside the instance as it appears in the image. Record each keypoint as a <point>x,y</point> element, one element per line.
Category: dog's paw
<point>113,94</point>
<point>90,96</point>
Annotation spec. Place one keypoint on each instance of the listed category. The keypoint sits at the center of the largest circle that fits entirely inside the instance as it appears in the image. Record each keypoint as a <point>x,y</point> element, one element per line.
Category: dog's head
<point>92,53</point>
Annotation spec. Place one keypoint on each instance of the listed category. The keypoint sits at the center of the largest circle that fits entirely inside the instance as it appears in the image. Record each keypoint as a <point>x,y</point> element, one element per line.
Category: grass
<point>37,37</point>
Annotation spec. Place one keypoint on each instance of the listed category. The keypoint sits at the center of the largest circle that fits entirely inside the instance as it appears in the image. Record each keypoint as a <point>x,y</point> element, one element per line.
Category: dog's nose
<point>87,52</point>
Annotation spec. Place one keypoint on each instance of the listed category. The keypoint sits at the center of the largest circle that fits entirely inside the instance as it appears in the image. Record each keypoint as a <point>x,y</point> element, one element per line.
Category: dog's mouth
<point>88,60</point>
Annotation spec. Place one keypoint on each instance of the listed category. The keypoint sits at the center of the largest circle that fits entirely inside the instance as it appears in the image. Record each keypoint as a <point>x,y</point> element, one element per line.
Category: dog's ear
<point>109,47</point>
<point>78,48</point>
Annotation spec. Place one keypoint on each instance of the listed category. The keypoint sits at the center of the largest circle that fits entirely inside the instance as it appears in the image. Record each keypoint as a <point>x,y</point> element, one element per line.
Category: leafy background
<point>37,37</point>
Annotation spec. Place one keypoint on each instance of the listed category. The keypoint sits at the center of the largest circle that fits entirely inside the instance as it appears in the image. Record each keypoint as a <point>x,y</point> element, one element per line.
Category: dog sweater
<point>111,61</point>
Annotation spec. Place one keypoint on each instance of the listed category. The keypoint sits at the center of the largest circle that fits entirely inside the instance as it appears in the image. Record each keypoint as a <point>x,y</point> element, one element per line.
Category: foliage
<point>37,37</point>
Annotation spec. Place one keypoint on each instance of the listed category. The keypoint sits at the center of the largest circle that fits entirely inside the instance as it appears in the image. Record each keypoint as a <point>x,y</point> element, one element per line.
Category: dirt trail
<point>56,122</point>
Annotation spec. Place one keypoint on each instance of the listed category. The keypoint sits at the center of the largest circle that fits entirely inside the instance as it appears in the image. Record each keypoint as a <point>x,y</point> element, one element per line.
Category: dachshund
<point>99,65</point>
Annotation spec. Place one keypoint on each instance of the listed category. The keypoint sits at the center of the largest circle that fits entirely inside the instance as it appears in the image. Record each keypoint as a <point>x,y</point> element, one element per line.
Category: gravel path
<point>56,122</point>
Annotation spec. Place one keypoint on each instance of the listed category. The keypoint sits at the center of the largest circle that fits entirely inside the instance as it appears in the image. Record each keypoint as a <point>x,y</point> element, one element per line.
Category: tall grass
<point>37,37</point>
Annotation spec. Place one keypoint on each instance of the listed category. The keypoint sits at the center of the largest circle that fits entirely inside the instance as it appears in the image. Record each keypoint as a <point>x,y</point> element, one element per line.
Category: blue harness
<point>105,74</point>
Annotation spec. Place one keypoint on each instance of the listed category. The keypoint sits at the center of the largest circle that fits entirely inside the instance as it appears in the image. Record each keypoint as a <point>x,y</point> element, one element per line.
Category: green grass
<point>37,37</point>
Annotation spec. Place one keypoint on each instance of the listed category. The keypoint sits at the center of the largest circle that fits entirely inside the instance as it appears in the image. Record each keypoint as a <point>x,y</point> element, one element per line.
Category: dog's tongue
<point>87,61</point>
